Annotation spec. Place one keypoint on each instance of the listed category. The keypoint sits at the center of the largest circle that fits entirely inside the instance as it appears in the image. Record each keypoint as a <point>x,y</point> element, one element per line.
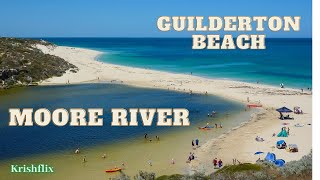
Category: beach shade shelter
<point>281,144</point>
<point>271,157</point>
<point>283,133</point>
<point>258,153</point>
<point>284,110</point>
<point>292,148</point>
<point>279,162</point>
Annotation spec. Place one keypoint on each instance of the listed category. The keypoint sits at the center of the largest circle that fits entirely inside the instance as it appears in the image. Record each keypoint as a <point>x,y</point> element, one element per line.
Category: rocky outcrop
<point>21,63</point>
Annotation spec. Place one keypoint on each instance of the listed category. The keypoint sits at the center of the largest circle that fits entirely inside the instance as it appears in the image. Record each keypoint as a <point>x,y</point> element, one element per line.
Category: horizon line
<point>135,37</point>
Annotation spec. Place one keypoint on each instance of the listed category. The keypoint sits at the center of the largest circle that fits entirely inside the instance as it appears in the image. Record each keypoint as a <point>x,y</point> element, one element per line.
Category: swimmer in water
<point>172,161</point>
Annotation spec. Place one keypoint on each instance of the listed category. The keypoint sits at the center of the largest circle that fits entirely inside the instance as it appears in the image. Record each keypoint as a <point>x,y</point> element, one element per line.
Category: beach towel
<point>259,139</point>
<point>299,125</point>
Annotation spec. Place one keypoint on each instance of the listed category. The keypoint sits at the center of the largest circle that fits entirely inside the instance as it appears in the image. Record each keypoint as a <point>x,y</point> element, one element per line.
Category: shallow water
<point>55,145</point>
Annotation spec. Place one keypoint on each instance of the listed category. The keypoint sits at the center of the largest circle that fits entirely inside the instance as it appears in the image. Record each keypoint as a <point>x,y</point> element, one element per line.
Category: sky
<point>128,18</point>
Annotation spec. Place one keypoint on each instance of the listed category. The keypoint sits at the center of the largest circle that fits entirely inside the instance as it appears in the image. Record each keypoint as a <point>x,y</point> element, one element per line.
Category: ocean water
<point>287,61</point>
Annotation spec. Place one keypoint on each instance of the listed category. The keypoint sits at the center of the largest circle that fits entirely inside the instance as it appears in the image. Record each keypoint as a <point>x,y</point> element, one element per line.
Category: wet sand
<point>134,153</point>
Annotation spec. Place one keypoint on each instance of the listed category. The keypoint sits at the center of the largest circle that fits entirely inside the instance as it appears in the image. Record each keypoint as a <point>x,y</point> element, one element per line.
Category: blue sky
<point>120,18</point>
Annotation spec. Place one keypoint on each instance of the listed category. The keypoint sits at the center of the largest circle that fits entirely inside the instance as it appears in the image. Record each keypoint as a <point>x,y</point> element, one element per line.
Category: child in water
<point>172,161</point>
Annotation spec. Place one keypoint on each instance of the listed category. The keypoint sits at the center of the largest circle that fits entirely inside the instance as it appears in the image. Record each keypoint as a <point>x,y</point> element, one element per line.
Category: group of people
<point>220,125</point>
<point>195,143</point>
<point>77,151</point>
<point>217,163</point>
<point>297,110</point>
<point>191,157</point>
<point>213,113</point>
<point>282,117</point>
<point>147,138</point>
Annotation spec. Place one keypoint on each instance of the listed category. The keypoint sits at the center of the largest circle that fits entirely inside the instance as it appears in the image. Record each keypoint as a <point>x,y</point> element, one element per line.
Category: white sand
<point>240,142</point>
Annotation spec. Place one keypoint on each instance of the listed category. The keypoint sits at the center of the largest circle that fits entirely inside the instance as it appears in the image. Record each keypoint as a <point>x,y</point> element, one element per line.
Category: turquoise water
<point>287,61</point>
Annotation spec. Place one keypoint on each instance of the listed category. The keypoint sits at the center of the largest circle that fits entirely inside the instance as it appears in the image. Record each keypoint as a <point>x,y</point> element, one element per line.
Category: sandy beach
<point>238,143</point>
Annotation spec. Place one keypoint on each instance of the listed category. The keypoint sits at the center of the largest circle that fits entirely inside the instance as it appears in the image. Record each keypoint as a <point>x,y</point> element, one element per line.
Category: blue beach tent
<point>281,144</point>
<point>271,157</point>
<point>279,162</point>
<point>284,110</point>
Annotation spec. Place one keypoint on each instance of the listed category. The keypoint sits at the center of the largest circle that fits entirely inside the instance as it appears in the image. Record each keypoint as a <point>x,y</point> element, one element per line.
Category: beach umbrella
<point>284,110</point>
<point>259,152</point>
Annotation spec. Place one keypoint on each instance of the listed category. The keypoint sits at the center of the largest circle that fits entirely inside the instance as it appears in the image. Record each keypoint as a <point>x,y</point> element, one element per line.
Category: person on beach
<point>84,159</point>
<point>216,125</point>
<point>288,131</point>
<point>104,155</point>
<point>197,142</point>
<point>77,151</point>
<point>192,156</point>
<point>189,159</point>
<point>192,143</point>
<point>220,163</point>
<point>215,162</point>
<point>145,135</point>
<point>220,125</point>
<point>172,161</point>
<point>158,138</point>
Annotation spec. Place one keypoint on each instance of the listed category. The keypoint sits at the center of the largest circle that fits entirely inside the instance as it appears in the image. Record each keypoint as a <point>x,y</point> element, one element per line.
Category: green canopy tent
<point>283,133</point>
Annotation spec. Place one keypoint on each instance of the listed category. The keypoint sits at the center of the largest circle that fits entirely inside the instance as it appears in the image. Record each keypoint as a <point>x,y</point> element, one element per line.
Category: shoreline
<point>87,59</point>
<point>240,138</point>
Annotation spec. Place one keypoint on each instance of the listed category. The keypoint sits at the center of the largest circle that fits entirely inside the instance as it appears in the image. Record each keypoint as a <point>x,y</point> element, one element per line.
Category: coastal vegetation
<point>294,170</point>
<point>22,63</point>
